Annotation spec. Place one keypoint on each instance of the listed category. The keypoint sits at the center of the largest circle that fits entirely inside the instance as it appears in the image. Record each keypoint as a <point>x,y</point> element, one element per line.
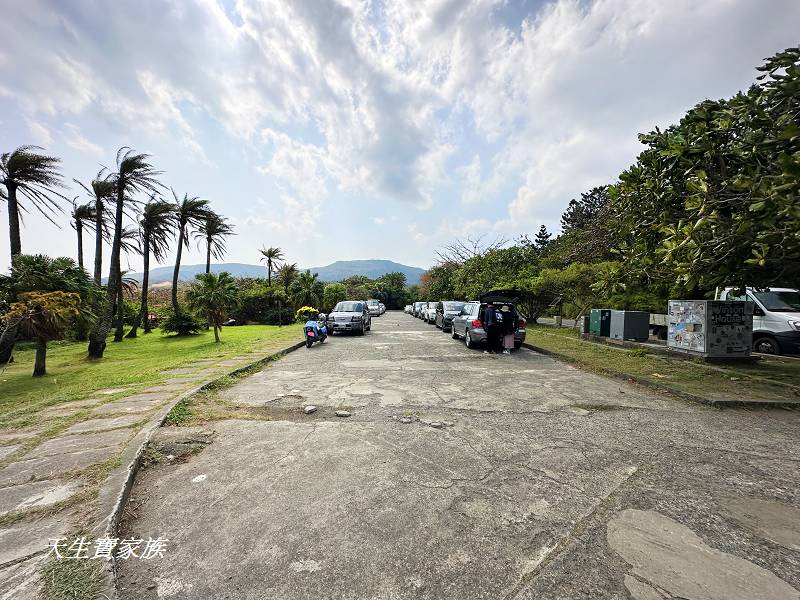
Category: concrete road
<point>464,475</point>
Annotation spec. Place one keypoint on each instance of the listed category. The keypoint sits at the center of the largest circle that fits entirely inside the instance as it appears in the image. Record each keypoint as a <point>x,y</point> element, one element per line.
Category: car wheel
<point>517,345</point>
<point>766,345</point>
<point>468,340</point>
<point>453,333</point>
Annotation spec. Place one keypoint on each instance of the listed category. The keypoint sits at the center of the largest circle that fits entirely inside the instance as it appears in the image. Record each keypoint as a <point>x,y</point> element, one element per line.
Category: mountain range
<point>335,271</point>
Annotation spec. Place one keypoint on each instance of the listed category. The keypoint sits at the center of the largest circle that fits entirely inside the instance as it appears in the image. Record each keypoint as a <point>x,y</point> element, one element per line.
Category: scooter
<point>315,331</point>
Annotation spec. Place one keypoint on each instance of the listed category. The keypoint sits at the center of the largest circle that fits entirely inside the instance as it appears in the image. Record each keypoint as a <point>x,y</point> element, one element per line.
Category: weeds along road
<point>465,475</point>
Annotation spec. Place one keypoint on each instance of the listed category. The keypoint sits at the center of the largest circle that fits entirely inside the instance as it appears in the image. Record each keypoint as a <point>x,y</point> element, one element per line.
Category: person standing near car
<point>492,326</point>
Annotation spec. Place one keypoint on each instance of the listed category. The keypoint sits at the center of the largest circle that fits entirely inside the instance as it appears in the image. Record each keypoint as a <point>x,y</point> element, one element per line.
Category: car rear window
<point>349,307</point>
<point>453,305</point>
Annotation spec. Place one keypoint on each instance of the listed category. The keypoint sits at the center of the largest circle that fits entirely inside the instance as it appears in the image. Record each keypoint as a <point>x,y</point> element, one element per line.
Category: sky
<point>354,129</point>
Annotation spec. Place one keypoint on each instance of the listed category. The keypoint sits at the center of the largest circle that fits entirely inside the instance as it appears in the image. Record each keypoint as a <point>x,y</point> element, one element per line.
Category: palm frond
<point>36,177</point>
<point>212,232</point>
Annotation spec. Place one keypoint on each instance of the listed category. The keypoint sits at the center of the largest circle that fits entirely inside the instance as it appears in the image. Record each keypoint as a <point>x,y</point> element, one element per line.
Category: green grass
<point>133,364</point>
<point>769,379</point>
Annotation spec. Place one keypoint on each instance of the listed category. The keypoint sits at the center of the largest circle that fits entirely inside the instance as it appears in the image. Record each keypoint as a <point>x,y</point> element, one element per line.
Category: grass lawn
<point>133,364</point>
<point>768,379</point>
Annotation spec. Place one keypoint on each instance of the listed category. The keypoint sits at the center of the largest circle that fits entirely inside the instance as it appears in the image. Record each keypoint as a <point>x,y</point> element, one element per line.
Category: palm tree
<point>35,177</point>
<point>126,286</point>
<point>101,189</point>
<point>212,232</point>
<point>213,295</point>
<point>303,289</point>
<point>81,213</point>
<point>133,174</point>
<point>272,256</point>
<point>287,274</point>
<point>155,230</point>
<point>189,212</point>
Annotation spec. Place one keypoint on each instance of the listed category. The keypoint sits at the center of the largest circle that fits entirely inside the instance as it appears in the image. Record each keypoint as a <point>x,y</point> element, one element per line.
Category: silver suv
<point>350,315</point>
<point>468,324</point>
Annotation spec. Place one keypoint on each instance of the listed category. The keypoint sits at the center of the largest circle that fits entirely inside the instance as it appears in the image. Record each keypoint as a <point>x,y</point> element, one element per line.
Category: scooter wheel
<point>309,343</point>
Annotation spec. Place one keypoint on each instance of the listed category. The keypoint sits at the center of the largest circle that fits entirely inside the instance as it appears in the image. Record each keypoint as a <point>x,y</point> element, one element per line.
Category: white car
<point>374,308</point>
<point>408,309</point>
<point>382,306</point>
<point>429,312</point>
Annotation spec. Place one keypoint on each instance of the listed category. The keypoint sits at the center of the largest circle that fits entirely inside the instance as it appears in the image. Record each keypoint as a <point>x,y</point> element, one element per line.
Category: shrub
<point>304,313</point>
<point>181,323</point>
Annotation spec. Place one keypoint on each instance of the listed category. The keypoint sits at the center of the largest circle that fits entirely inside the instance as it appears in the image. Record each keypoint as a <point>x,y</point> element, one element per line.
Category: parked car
<point>382,306</point>
<point>776,318</point>
<point>445,312</point>
<point>468,324</point>
<point>374,308</point>
<point>350,315</point>
<point>429,312</point>
<point>408,309</point>
<point>418,308</point>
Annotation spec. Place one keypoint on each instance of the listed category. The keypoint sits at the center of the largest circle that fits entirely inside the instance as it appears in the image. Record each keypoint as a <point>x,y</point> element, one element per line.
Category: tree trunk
<point>269,272</point>
<point>216,334</point>
<point>8,338</point>
<point>142,316</point>
<point>79,230</point>
<point>97,341</point>
<point>98,241</point>
<point>120,329</point>
<point>208,257</point>
<point>13,221</point>
<point>39,366</point>
<point>175,307</point>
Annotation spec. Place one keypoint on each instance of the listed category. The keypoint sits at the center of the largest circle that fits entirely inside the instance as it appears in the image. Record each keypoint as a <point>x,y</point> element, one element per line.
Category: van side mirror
<point>757,312</point>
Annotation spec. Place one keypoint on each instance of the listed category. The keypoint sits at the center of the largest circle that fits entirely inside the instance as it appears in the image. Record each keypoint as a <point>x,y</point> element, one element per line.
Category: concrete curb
<point>115,490</point>
<point>660,387</point>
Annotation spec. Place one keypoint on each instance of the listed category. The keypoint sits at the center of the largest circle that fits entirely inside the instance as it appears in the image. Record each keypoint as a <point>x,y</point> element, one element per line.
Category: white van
<point>776,318</point>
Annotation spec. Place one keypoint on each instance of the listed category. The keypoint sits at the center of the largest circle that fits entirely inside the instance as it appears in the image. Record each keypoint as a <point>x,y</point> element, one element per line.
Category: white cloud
<point>75,139</point>
<point>437,104</point>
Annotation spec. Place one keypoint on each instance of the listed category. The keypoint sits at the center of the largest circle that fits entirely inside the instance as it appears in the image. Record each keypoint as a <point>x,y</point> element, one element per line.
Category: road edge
<point>115,490</point>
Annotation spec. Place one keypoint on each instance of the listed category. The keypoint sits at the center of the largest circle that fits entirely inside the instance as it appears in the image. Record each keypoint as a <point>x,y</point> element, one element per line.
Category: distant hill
<point>333,272</point>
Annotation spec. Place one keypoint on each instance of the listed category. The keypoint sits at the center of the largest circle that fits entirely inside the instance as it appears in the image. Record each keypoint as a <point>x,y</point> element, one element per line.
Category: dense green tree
<point>713,200</point>
<point>542,238</point>
<point>332,294</point>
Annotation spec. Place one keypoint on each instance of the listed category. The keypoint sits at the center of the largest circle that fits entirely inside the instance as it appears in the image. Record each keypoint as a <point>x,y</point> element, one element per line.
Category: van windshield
<point>779,301</point>
<point>348,307</point>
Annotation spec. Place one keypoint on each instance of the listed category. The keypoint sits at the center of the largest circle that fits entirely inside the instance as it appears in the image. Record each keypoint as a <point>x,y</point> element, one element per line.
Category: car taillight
<point>477,323</point>
<point>521,324</point>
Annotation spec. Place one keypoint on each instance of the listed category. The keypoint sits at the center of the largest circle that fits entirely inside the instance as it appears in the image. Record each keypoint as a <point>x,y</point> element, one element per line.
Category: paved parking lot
<point>465,475</point>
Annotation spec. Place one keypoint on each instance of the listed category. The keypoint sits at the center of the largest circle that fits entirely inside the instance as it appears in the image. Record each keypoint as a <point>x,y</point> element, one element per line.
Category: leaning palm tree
<point>101,190</point>
<point>189,212</point>
<point>272,256</point>
<point>35,177</point>
<point>211,233</point>
<point>81,214</point>
<point>156,229</point>
<point>133,174</point>
<point>213,295</point>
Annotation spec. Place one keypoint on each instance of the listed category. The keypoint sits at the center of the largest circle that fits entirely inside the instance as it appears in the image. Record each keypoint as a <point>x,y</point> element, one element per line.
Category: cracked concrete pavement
<point>538,480</point>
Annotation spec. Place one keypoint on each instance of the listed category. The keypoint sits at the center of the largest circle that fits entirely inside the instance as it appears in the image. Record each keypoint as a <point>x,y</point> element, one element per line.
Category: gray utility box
<point>630,325</point>
<point>711,328</point>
